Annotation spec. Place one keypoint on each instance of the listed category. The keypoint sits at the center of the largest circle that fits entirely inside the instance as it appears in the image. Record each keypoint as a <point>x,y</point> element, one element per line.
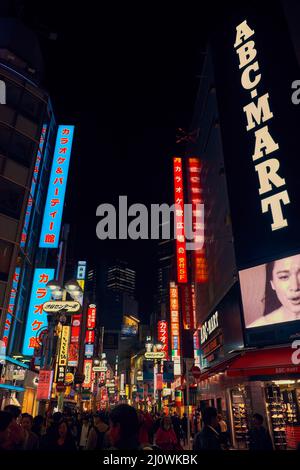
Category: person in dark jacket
<point>64,439</point>
<point>124,428</point>
<point>208,438</point>
<point>259,437</point>
<point>31,441</point>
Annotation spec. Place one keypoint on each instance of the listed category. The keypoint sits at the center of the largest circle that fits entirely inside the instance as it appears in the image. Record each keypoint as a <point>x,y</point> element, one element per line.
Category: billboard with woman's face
<point>271,292</point>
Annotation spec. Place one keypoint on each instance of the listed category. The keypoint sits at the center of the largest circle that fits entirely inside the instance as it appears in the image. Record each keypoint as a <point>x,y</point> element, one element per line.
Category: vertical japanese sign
<point>33,186</point>
<point>73,357</point>
<point>36,317</point>
<point>11,305</point>
<point>90,331</point>
<point>179,221</point>
<point>87,370</point>
<point>57,188</point>
<point>63,354</point>
<point>187,307</point>
<point>74,342</point>
<point>196,344</point>
<point>44,385</point>
<point>175,327</point>
<point>163,336</point>
<point>196,198</point>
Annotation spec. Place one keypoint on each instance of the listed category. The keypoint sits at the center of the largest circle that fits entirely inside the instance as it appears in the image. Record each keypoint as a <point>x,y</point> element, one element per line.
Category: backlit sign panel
<point>179,221</point>
<point>57,187</point>
<point>36,317</point>
<point>35,176</point>
<point>11,305</point>
<point>163,336</point>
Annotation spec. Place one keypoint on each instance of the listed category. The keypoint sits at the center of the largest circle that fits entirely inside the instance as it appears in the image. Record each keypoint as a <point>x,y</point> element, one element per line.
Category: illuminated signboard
<point>187,307</point>
<point>163,336</point>
<point>174,314</point>
<point>81,270</point>
<point>196,198</point>
<point>259,130</point>
<point>179,220</point>
<point>130,326</point>
<point>91,318</point>
<point>36,171</point>
<point>87,370</point>
<point>11,305</point>
<point>90,331</point>
<point>57,188</point>
<point>74,343</point>
<point>36,317</point>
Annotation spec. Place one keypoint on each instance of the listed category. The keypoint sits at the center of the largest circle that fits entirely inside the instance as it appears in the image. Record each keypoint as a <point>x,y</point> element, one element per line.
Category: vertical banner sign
<point>196,198</point>
<point>44,385</point>
<point>63,353</point>
<point>163,336</point>
<point>36,317</point>
<point>57,188</point>
<point>87,370</point>
<point>90,331</point>
<point>31,196</point>
<point>259,122</point>
<point>175,327</point>
<point>196,344</point>
<point>11,305</point>
<point>179,221</point>
<point>187,307</point>
<point>74,342</point>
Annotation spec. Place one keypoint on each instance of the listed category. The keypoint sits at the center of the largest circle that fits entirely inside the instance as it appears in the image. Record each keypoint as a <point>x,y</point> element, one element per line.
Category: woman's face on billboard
<point>286,282</point>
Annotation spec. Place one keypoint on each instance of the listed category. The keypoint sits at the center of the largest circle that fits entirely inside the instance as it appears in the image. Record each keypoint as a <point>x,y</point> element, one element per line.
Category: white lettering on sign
<point>258,112</point>
<point>209,327</point>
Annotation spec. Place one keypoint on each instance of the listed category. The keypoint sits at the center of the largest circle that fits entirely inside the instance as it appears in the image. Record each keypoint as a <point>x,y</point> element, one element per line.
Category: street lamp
<point>59,292</point>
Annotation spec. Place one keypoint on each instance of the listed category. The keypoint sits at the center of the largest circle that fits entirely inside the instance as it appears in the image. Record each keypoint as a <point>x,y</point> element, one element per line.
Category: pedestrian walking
<point>97,435</point>
<point>166,438</point>
<point>31,440</point>
<point>259,437</point>
<point>124,428</point>
<point>208,438</point>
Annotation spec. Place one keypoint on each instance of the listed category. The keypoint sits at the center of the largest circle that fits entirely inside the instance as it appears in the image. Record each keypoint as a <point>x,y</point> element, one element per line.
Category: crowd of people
<point>123,427</point>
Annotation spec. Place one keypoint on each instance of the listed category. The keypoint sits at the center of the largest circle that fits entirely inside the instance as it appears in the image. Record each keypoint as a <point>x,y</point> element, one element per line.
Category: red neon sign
<point>163,336</point>
<point>196,197</point>
<point>179,220</point>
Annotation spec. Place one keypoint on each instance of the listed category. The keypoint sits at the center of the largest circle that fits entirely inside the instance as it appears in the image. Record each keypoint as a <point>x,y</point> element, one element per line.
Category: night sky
<point>127,78</point>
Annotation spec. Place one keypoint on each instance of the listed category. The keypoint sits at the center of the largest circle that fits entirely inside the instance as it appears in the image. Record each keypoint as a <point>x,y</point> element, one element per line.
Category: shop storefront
<point>12,382</point>
<point>260,381</point>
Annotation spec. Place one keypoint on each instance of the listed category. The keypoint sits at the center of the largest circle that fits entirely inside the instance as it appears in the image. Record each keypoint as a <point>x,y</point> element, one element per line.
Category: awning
<point>277,361</point>
<point>221,367</point>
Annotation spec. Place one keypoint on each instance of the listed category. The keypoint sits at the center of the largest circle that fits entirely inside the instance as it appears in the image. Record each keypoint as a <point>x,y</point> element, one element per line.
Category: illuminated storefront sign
<point>196,344</point>
<point>57,188</point>
<point>87,370</point>
<point>266,164</point>
<point>175,327</point>
<point>179,220</point>
<point>81,270</point>
<point>90,331</point>
<point>63,354</point>
<point>36,171</point>
<point>187,307</point>
<point>11,305</point>
<point>36,317</point>
<point>196,198</point>
<point>209,327</point>
<point>91,318</point>
<point>163,336</point>
<point>44,384</point>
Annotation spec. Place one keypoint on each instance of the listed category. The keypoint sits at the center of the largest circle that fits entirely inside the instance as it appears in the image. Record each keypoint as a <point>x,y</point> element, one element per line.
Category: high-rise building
<point>121,279</point>
<point>27,133</point>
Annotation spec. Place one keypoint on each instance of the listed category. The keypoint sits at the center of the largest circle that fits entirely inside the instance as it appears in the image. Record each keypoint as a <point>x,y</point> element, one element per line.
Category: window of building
<point>15,172</point>
<point>26,126</point>
<point>6,250</point>
<point>11,198</point>
<point>5,135</point>
<point>8,228</point>
<point>32,107</point>
<point>22,149</point>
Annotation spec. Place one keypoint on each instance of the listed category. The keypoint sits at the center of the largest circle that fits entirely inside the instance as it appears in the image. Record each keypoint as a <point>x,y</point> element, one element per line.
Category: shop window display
<point>240,414</point>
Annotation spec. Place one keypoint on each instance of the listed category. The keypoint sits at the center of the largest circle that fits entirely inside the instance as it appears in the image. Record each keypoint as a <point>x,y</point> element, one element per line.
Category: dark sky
<point>127,77</point>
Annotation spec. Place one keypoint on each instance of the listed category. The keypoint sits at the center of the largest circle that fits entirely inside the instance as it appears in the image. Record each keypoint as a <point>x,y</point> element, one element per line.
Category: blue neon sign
<point>11,305</point>
<point>37,318</point>
<point>57,188</point>
<point>33,186</point>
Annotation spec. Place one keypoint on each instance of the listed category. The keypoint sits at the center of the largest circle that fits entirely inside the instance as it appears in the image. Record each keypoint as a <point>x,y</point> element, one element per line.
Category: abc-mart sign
<point>55,306</point>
